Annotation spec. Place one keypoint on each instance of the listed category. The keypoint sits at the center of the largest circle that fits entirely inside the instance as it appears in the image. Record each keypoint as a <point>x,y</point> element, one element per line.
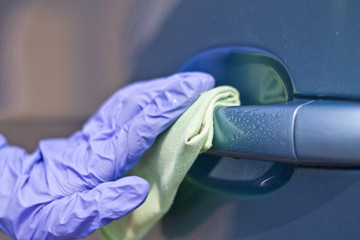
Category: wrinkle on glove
<point>166,163</point>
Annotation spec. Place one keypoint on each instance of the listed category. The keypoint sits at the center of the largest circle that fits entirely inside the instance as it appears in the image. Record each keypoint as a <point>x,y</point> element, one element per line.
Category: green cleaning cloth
<point>166,163</point>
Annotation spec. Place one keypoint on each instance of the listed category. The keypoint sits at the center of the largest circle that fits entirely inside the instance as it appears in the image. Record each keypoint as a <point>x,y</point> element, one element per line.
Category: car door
<point>292,171</point>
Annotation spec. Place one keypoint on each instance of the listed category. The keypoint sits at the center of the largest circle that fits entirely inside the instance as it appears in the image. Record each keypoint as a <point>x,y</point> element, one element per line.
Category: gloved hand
<point>70,187</point>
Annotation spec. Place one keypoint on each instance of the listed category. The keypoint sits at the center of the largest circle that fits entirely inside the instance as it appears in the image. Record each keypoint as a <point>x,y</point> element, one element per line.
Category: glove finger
<point>136,103</point>
<point>159,114</point>
<point>80,214</point>
<point>149,87</point>
<point>127,102</point>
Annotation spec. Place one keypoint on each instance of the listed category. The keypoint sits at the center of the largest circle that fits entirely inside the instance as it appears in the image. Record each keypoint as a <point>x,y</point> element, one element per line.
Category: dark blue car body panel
<point>318,42</point>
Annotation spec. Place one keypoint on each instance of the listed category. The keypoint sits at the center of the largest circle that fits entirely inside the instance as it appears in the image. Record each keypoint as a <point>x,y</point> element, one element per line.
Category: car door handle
<point>305,132</point>
<point>301,131</point>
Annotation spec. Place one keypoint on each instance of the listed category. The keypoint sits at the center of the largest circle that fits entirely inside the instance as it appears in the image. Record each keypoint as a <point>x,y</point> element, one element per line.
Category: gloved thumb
<point>80,214</point>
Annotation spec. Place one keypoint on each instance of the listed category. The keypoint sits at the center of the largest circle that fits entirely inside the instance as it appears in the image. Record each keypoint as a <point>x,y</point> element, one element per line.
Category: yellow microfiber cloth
<point>166,163</point>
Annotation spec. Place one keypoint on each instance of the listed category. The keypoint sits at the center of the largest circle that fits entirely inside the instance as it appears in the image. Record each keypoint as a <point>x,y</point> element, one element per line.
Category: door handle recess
<point>304,132</point>
<point>271,125</point>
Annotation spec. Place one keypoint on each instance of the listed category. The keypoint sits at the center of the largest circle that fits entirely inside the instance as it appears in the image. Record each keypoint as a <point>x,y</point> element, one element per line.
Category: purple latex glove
<point>68,188</point>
